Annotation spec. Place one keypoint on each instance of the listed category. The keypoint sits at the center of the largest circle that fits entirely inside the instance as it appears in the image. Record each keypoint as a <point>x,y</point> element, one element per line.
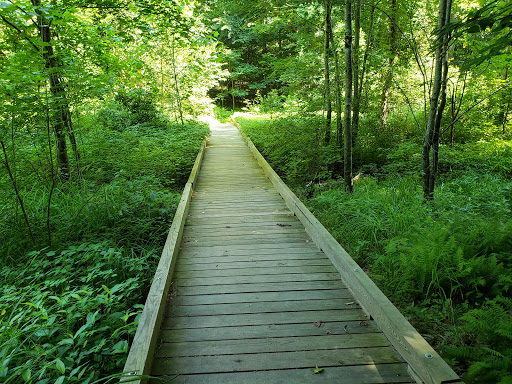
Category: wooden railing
<point>425,364</point>
<point>138,364</point>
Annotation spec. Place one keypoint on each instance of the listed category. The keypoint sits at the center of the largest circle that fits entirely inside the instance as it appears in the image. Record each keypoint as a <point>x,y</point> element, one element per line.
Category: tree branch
<point>475,104</point>
<point>20,32</point>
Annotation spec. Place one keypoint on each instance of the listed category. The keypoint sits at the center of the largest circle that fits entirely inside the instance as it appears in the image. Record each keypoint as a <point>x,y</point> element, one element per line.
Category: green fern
<point>490,355</point>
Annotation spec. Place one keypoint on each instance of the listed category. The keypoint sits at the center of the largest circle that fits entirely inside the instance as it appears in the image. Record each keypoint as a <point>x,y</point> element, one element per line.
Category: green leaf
<point>3,371</point>
<point>60,380</point>
<point>317,370</point>
<point>26,374</point>
<point>59,365</point>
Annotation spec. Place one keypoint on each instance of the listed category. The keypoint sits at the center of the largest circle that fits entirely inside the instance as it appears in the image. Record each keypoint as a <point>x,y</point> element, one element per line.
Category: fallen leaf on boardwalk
<point>284,225</point>
<point>327,332</point>
<point>351,303</point>
<point>317,370</point>
<point>363,324</point>
<point>318,324</point>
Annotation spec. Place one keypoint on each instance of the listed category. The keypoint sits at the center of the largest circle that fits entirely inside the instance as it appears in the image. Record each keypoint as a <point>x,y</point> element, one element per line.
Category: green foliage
<point>291,145</point>
<point>223,114</point>
<point>70,315</point>
<point>447,265</point>
<point>488,331</point>
<point>166,151</point>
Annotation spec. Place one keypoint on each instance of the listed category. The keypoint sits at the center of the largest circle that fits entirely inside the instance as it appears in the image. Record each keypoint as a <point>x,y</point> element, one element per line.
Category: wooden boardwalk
<point>253,298</point>
<point>243,294</point>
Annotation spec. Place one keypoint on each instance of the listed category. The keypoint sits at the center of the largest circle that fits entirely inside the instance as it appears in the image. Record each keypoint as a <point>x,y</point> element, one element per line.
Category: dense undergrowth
<point>69,309</point>
<point>447,264</point>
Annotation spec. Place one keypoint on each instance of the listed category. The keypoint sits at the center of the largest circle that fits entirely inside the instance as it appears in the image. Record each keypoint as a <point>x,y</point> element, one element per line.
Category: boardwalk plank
<point>270,330</point>
<point>263,318</point>
<point>266,345</point>
<point>257,297</point>
<point>278,360</point>
<point>258,287</point>
<point>260,307</point>
<point>253,298</point>
<point>375,374</point>
<point>254,279</point>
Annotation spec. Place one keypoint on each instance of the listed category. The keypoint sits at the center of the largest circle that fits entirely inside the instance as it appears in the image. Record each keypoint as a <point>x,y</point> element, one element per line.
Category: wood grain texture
<point>408,342</point>
<point>256,294</point>
<point>371,373</point>
<point>140,356</point>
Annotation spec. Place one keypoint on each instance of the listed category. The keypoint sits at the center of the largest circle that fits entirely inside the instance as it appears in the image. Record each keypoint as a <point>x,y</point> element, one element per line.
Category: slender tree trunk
<point>337,80</point>
<point>388,76</point>
<point>349,187</point>
<point>328,102</point>
<point>62,117</point>
<point>176,84</point>
<point>505,118</point>
<point>431,140</point>
<point>455,109</point>
<point>52,188</point>
<point>369,45</point>
<point>439,116</point>
<point>17,191</point>
<point>357,95</point>
<point>505,105</point>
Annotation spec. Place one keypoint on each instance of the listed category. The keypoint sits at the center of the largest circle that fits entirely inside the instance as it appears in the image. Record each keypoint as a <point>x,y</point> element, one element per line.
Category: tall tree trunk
<point>505,104</point>
<point>388,76</point>
<point>505,118</point>
<point>17,191</point>
<point>431,139</point>
<point>328,102</point>
<point>337,80</point>
<point>357,94</point>
<point>176,84</point>
<point>349,187</point>
<point>61,116</point>
<point>439,116</point>
<point>454,108</point>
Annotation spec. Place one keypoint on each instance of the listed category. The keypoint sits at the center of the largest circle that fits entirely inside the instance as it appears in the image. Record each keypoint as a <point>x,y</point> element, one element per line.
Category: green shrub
<point>139,102</point>
<point>487,336</point>
<point>69,316</point>
<point>292,146</point>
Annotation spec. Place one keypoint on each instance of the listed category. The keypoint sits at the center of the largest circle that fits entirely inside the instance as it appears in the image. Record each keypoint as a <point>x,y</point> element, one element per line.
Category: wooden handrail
<point>425,364</point>
<point>142,349</point>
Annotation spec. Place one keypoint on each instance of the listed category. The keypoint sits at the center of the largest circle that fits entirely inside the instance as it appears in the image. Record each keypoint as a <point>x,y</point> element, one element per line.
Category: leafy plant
<point>69,316</point>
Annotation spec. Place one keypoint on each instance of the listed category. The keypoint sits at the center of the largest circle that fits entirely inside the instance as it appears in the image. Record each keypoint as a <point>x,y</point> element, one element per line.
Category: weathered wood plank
<point>422,358</point>
<point>258,287</point>
<point>250,258</point>
<point>279,360</point>
<point>258,297</point>
<point>375,374</point>
<point>269,330</point>
<point>191,233</point>
<point>187,282</point>
<point>254,263</point>
<point>266,307</point>
<point>237,241</point>
<point>239,272</point>
<point>266,345</point>
<point>263,318</point>
<point>234,249</point>
<point>242,214</point>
